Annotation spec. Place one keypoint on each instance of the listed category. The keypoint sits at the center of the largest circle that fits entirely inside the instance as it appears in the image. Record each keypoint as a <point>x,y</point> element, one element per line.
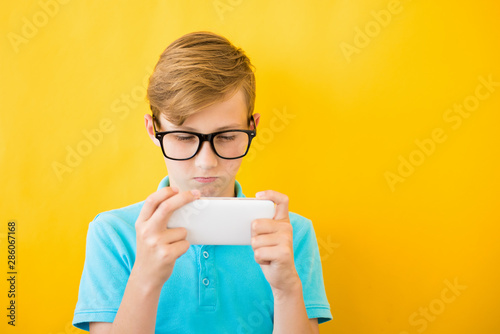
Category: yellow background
<point>387,251</point>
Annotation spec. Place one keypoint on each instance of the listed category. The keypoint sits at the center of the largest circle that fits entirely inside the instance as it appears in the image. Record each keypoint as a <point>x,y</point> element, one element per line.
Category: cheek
<point>178,167</point>
<point>231,166</point>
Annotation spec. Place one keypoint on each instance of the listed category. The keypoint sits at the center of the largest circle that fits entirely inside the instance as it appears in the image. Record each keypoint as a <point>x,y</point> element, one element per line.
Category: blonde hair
<point>196,71</point>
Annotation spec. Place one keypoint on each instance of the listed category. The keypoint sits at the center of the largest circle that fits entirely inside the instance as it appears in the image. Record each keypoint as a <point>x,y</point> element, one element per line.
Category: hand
<point>158,247</point>
<point>272,242</point>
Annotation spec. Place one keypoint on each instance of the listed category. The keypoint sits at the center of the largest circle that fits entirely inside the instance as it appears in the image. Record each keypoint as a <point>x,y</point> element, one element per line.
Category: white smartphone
<point>220,220</point>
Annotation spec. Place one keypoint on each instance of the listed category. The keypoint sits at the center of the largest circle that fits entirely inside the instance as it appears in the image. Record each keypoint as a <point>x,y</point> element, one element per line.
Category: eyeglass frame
<point>202,137</point>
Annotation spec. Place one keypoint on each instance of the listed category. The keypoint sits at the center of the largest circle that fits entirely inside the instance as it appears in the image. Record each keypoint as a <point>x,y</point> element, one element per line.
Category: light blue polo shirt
<point>212,289</point>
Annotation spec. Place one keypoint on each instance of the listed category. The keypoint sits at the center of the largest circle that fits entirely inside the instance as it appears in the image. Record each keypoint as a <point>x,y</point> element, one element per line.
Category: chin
<point>209,192</point>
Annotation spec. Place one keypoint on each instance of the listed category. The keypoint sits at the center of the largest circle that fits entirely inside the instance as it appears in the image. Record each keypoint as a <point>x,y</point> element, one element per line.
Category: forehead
<point>230,113</point>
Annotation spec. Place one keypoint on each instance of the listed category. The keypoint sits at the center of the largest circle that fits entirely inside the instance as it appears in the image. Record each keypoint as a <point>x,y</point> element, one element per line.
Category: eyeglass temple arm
<point>154,118</point>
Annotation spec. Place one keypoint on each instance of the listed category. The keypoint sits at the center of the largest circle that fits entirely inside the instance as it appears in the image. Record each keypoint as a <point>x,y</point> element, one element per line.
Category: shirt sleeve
<point>105,273</point>
<point>308,265</point>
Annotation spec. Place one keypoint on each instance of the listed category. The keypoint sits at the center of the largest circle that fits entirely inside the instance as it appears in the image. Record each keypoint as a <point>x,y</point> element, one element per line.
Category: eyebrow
<point>222,128</point>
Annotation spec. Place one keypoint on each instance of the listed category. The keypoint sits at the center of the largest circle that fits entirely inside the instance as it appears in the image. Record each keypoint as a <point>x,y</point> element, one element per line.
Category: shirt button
<point>206,282</point>
<point>205,254</point>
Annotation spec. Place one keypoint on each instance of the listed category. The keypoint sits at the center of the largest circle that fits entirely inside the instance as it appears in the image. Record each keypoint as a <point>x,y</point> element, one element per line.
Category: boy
<point>140,277</point>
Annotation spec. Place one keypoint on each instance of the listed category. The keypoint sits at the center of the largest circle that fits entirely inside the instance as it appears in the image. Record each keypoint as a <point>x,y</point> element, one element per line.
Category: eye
<point>226,137</point>
<point>185,137</point>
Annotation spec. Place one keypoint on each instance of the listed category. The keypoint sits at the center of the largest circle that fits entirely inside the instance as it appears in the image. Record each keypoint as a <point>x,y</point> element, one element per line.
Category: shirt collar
<point>237,187</point>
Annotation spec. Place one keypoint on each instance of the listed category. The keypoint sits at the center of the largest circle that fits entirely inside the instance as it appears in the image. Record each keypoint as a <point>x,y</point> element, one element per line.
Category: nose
<point>206,157</point>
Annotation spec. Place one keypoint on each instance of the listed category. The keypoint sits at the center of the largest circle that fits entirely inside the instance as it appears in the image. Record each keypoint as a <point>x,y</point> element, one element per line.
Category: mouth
<point>205,179</point>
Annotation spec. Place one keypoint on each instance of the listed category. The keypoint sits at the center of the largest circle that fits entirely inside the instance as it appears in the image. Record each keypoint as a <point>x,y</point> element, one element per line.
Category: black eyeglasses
<point>183,145</point>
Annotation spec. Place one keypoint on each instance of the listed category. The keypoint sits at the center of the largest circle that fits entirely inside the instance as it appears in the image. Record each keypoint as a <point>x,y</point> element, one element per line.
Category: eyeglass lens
<point>229,144</point>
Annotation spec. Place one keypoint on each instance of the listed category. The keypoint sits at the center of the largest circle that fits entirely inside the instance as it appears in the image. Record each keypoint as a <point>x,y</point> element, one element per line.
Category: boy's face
<point>210,174</point>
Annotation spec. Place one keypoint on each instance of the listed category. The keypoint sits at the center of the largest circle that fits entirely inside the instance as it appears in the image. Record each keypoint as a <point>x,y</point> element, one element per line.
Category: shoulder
<point>299,222</point>
<point>302,226</point>
<point>125,215</point>
<point>115,224</point>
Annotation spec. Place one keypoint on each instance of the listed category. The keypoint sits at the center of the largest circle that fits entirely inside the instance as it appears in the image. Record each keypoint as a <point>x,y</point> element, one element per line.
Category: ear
<point>256,118</point>
<point>150,130</point>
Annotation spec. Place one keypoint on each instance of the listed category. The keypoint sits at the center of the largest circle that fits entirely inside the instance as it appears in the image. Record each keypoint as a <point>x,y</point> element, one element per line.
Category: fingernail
<point>260,194</point>
<point>195,192</point>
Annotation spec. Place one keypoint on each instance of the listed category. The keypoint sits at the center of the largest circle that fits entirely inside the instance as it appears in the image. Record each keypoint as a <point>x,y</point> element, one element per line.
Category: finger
<point>281,201</point>
<point>180,247</point>
<point>263,226</point>
<point>265,240</point>
<point>176,249</point>
<point>154,200</point>
<point>172,235</point>
<point>266,255</point>
<point>162,214</point>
